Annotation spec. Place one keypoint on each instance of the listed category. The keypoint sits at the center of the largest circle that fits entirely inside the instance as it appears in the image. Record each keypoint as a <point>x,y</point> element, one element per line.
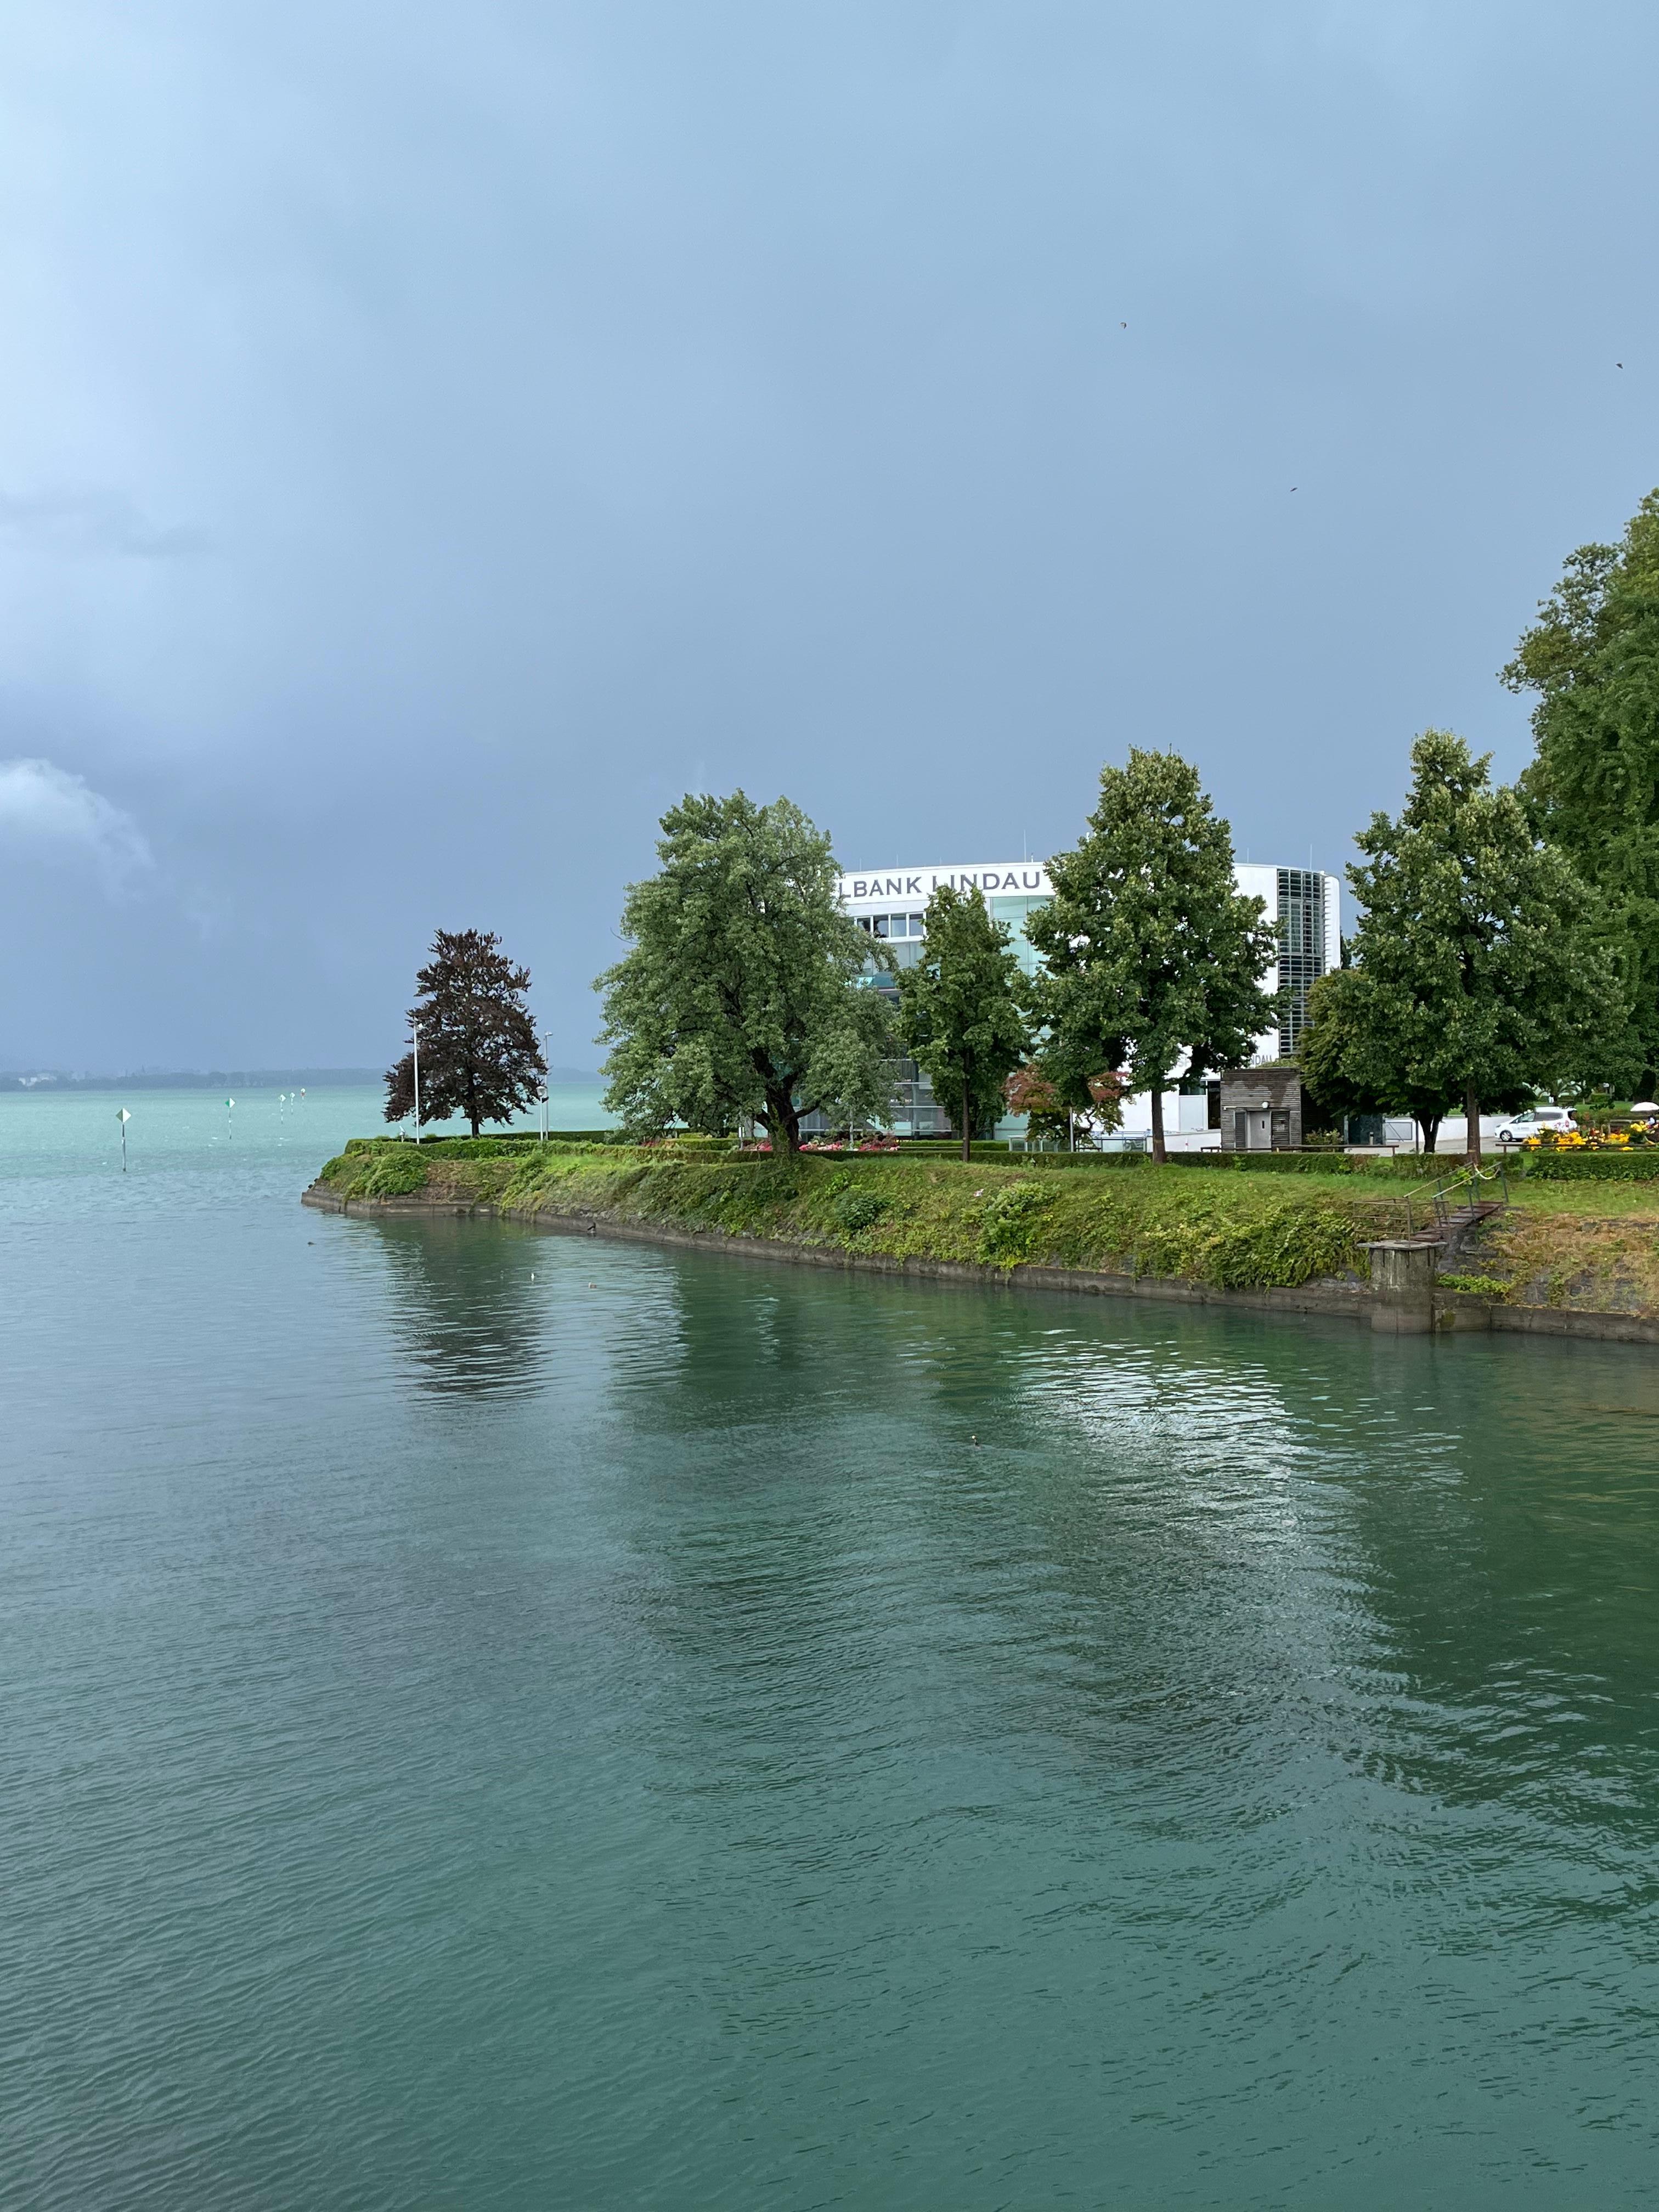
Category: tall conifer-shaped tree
<point>1151,950</point>
<point>962,1007</point>
<point>745,990</point>
<point>1593,659</point>
<point>1476,976</point>
<point>479,1052</point>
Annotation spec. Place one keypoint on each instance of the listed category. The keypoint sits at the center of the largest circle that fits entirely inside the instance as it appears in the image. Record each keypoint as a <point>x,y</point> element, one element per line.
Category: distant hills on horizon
<point>250,1079</point>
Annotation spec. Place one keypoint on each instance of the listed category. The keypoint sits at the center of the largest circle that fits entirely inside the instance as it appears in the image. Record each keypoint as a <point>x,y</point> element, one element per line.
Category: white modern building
<point>889,902</point>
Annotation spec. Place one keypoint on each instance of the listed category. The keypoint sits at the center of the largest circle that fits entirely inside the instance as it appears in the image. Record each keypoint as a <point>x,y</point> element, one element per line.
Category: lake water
<point>496,1720</point>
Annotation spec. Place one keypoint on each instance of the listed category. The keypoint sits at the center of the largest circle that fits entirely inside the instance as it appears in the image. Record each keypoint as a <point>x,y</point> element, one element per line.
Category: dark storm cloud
<point>436,438</point>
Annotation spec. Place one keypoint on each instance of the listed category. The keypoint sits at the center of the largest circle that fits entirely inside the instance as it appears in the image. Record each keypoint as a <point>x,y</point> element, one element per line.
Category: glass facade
<point>902,932</point>
<point>1013,911</point>
<point>888,905</point>
<point>917,1113</point>
<point>1301,950</point>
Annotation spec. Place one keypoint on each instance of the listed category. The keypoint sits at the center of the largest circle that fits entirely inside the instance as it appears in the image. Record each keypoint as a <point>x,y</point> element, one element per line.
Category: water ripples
<point>494,1718</point>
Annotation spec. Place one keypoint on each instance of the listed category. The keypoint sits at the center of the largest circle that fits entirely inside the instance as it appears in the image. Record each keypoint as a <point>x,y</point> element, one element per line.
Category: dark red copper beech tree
<point>479,1053</point>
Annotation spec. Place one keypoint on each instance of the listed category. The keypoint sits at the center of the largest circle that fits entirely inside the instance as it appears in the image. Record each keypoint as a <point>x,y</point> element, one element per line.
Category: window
<point>1301,949</point>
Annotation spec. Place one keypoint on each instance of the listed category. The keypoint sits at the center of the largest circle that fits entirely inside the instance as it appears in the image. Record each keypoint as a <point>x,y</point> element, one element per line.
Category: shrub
<point>1631,1165</point>
<point>469,1148</point>
<point>857,1209</point>
<point>1417,1165</point>
<point>1053,1160</point>
<point>1010,1223</point>
<point>394,1173</point>
<point>1479,1286</point>
<point>1287,1243</point>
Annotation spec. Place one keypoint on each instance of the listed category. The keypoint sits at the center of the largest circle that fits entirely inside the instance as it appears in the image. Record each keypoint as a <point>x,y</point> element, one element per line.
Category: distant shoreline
<point>49,1081</point>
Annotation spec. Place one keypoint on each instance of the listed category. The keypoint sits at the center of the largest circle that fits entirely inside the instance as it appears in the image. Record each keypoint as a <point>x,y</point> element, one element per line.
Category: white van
<point>1537,1121</point>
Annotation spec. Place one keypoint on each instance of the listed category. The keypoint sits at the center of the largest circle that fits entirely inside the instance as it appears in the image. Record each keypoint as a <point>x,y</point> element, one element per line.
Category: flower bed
<point>1595,1137</point>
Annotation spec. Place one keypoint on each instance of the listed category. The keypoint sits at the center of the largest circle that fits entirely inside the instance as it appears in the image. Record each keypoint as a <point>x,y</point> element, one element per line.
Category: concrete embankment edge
<point>1456,1311</point>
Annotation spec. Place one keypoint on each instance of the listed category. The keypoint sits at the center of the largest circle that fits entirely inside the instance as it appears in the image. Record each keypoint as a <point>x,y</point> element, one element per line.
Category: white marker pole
<point>229,1103</point>
<point>123,1117</point>
<point>414,1032</point>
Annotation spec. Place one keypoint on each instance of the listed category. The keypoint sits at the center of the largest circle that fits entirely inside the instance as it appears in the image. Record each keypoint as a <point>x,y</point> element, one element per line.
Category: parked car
<point>1537,1121</point>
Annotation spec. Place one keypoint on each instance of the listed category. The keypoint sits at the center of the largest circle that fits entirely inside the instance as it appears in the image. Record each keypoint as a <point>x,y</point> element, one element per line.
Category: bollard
<point>1402,1285</point>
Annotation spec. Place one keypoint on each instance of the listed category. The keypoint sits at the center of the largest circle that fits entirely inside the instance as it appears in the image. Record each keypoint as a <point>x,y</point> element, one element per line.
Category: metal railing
<point>1436,1208</point>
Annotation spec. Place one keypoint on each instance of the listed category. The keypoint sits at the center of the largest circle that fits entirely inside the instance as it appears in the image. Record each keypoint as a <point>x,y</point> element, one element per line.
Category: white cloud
<point>44,808</point>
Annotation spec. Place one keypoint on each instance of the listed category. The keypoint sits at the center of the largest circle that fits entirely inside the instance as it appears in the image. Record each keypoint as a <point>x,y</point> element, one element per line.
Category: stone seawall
<point>1447,1311</point>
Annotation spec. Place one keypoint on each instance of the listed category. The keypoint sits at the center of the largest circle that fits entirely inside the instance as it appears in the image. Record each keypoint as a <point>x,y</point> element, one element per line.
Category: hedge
<point>1409,1166</point>
<point>1415,1167</point>
<point>1594,1167</point>
<point>1000,1156</point>
<point>506,1144</point>
<point>514,1140</point>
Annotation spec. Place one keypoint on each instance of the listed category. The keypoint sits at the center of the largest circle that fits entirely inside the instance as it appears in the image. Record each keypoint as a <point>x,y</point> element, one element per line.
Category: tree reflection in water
<point>465,1310</point>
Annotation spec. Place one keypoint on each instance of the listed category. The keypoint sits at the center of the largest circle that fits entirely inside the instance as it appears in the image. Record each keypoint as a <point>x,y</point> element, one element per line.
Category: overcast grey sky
<point>432,438</point>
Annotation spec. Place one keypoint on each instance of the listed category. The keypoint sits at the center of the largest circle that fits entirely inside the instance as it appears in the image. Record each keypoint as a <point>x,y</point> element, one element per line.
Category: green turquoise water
<point>492,1720</point>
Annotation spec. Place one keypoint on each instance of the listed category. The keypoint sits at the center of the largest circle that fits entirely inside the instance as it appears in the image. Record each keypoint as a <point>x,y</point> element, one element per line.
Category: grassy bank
<point>1238,1232</point>
<point>1588,1258</point>
<point>1593,1247</point>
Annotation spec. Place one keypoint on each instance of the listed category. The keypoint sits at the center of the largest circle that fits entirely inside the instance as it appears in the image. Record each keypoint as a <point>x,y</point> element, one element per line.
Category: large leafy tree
<point>478,1049</point>
<point>1593,659</point>
<point>1476,976</point>
<point>1150,950</point>
<point>1351,1064</point>
<point>962,1007</point>
<point>745,992</point>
